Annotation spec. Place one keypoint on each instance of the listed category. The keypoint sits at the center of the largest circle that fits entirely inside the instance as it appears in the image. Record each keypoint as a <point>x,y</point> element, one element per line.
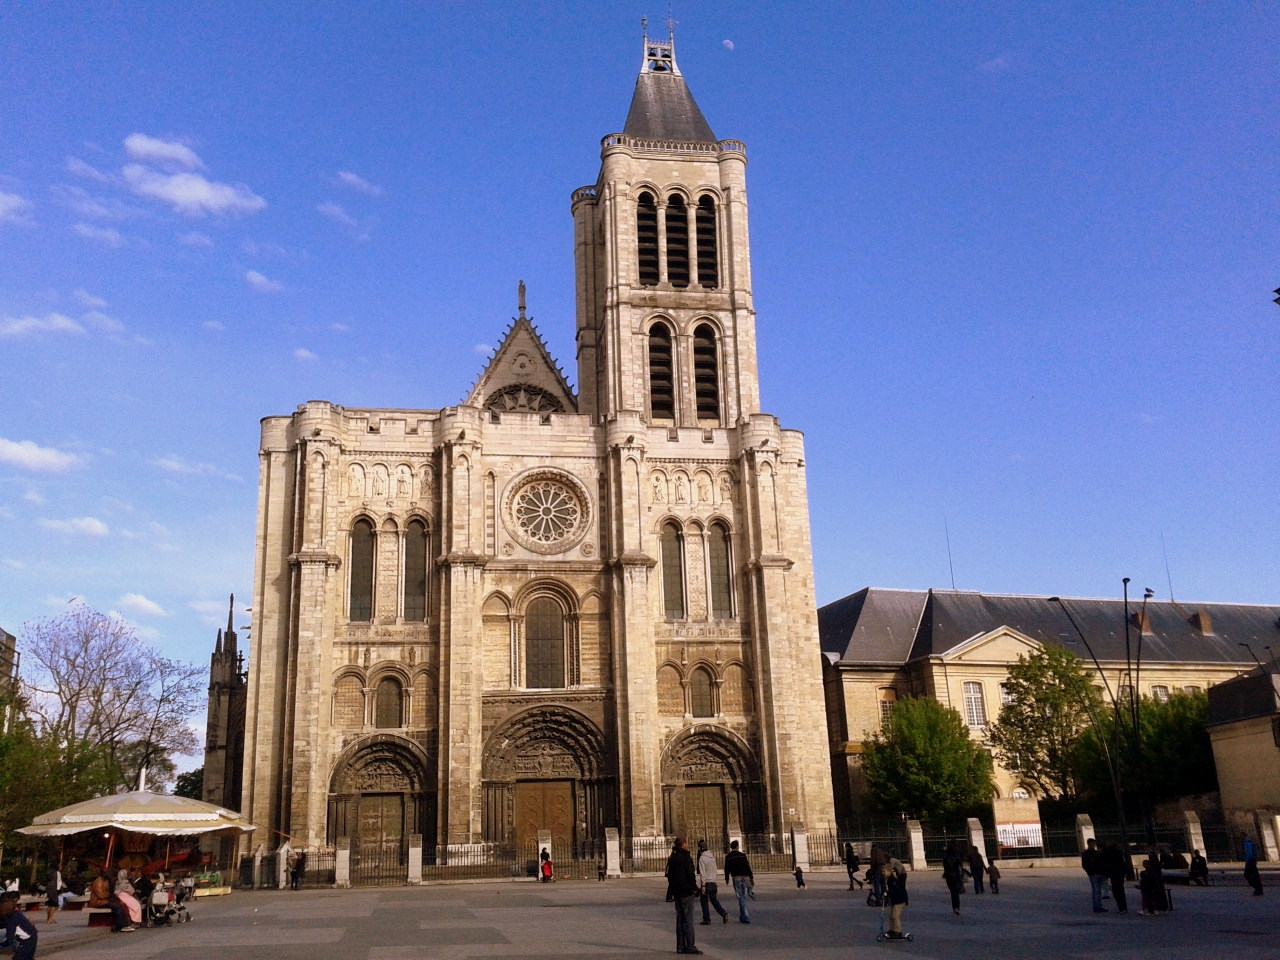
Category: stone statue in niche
<point>368,656</point>
<point>404,482</point>
<point>682,489</point>
<point>355,481</point>
<point>659,489</point>
<point>704,490</point>
<point>379,481</point>
<point>412,655</point>
<point>426,481</point>
<point>726,490</point>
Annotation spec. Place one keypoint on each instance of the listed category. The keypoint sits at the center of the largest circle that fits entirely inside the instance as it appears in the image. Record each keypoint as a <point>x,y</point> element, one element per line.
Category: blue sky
<point>1012,266</point>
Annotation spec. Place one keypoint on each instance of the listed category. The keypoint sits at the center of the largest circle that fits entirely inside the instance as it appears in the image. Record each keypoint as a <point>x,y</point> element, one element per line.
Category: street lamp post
<point>1108,752</point>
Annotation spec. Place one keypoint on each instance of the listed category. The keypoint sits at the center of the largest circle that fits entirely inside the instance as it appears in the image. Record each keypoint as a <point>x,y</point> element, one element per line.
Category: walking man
<point>1091,863</point>
<point>1251,875</point>
<point>737,871</point>
<point>976,868</point>
<point>683,884</point>
<point>708,877</point>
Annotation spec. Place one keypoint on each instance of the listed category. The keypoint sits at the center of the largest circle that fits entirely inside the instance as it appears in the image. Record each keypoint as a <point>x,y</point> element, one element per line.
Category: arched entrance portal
<point>710,787</point>
<point>381,793</point>
<point>547,769</point>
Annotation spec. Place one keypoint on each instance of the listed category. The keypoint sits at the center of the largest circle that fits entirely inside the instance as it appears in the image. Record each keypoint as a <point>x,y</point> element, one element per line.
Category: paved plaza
<point>1038,914</point>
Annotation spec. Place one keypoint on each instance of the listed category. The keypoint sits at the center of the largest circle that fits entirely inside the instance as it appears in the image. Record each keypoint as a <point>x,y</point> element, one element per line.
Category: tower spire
<point>231,609</point>
<point>520,297</point>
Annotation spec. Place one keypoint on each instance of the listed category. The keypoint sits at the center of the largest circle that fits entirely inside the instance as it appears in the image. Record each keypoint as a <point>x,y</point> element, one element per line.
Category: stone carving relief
<point>659,485</point>
<point>682,488</point>
<point>380,479</point>
<point>404,482</point>
<point>355,482</point>
<point>381,776</point>
<point>545,761</point>
<point>704,488</point>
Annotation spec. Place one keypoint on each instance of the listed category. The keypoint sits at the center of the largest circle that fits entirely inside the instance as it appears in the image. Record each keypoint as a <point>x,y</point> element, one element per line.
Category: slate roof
<point>662,108</point>
<point>870,626</point>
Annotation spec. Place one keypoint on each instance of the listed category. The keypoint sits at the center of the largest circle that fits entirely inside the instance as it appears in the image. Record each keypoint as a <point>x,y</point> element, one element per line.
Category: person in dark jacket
<point>977,868</point>
<point>20,933</point>
<point>682,882</point>
<point>895,888</point>
<point>737,871</point>
<point>1113,866</point>
<point>1091,864</point>
<point>953,863</point>
<point>852,863</point>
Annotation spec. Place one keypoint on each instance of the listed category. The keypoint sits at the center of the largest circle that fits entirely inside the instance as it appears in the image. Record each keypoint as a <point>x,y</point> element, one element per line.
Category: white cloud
<point>14,209</point>
<point>86,526</point>
<point>1001,64</point>
<point>34,496</point>
<point>335,212</point>
<point>100,321</point>
<point>213,325</point>
<point>191,193</point>
<point>31,456</point>
<point>303,354</point>
<point>104,235</point>
<point>162,152</point>
<point>137,603</point>
<point>32,326</point>
<point>483,349</point>
<point>195,239</point>
<point>339,327</point>
<point>79,168</point>
<point>85,204</point>
<point>86,299</point>
<point>180,467</point>
<point>357,182</point>
<point>261,284</point>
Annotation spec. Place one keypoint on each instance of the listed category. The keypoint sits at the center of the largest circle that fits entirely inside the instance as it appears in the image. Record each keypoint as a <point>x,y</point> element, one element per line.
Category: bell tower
<point>665,325</point>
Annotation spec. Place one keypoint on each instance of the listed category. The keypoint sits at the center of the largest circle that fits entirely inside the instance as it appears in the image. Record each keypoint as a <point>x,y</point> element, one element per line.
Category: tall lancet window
<point>672,547</point>
<point>706,373</point>
<point>708,265</point>
<point>362,539</point>
<point>662,386</point>
<point>721,581</point>
<point>388,704</point>
<point>647,239</point>
<point>677,242</point>
<point>415,571</point>
<point>544,644</point>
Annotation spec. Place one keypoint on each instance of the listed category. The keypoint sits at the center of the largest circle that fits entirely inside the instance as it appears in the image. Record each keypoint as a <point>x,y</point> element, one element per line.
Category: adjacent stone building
<point>883,645</point>
<point>544,609</point>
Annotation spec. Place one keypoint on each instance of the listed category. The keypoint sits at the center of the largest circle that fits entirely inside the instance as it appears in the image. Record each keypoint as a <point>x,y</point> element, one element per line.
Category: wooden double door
<point>704,815</point>
<point>546,805</point>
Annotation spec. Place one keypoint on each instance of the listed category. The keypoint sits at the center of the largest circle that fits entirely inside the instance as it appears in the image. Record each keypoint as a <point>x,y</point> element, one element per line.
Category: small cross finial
<point>521,299</point>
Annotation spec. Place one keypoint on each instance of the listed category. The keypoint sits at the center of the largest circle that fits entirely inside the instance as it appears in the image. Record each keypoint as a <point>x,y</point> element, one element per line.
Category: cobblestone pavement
<point>1038,914</point>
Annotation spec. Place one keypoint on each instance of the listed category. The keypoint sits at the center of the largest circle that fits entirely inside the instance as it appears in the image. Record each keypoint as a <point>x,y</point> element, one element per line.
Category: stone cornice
<point>304,557</point>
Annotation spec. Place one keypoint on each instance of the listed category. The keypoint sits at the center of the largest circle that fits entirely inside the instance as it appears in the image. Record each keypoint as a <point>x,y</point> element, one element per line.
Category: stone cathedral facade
<point>549,610</point>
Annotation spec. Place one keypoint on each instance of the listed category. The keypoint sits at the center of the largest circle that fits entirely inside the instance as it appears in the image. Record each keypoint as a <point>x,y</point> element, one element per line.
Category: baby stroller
<point>167,905</point>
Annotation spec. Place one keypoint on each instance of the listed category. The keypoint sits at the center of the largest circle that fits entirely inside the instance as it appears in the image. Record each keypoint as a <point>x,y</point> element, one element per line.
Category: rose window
<point>547,510</point>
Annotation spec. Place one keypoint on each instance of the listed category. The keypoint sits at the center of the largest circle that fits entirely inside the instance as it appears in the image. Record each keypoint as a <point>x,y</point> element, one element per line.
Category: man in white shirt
<point>707,875</point>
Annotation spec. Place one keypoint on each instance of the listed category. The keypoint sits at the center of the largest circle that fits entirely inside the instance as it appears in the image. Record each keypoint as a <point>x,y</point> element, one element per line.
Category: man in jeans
<point>737,871</point>
<point>707,877</point>
<point>1091,863</point>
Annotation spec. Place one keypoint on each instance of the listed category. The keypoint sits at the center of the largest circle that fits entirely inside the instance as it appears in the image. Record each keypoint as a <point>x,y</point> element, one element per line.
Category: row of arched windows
<point>702,693</point>
<point>367,564</point>
<point>384,705</point>
<point>715,570</point>
<point>662,372</point>
<point>690,249</point>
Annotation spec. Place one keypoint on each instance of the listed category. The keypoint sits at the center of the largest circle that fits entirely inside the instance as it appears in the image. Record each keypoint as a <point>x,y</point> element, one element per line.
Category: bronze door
<point>704,815</point>
<point>381,823</point>
<point>545,805</point>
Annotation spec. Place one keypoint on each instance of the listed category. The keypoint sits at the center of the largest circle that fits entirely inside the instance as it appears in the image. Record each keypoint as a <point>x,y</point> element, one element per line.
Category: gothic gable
<point>521,376</point>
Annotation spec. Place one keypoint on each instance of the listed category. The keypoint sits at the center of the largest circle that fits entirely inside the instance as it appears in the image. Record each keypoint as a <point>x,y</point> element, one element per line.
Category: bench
<point>75,903</point>
<point>98,916</point>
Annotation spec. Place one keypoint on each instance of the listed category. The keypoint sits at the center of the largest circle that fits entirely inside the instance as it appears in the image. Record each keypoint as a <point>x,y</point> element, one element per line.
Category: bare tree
<point>95,685</point>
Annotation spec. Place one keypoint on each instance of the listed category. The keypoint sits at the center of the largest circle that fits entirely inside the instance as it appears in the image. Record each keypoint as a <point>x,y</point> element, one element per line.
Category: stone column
<point>1084,831</point>
<point>612,853</point>
<point>342,864</point>
<point>1267,834</point>
<point>915,845</point>
<point>1195,836</point>
<point>415,859</point>
<point>976,836</point>
<point>799,846</point>
<point>282,865</point>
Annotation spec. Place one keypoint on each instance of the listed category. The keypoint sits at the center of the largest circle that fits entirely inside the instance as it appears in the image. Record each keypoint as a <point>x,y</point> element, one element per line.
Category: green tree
<point>1174,746</point>
<point>925,764</point>
<point>1050,699</point>
<point>190,784</point>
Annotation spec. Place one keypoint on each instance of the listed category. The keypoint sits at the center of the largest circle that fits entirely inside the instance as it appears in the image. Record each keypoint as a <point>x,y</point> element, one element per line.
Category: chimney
<point>1200,620</point>
<point>1142,620</point>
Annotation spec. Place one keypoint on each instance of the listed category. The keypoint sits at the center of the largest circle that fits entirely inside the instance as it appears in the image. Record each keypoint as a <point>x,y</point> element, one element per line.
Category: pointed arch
<point>719,571</point>
<point>708,243</point>
<point>671,550</point>
<point>647,239</point>
<point>677,223</point>
<point>360,581</point>
<point>417,551</point>
<point>701,692</point>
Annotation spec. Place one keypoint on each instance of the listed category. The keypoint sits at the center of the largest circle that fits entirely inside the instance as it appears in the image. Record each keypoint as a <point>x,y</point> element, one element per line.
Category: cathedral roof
<point>662,108</point>
<point>521,376</point>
